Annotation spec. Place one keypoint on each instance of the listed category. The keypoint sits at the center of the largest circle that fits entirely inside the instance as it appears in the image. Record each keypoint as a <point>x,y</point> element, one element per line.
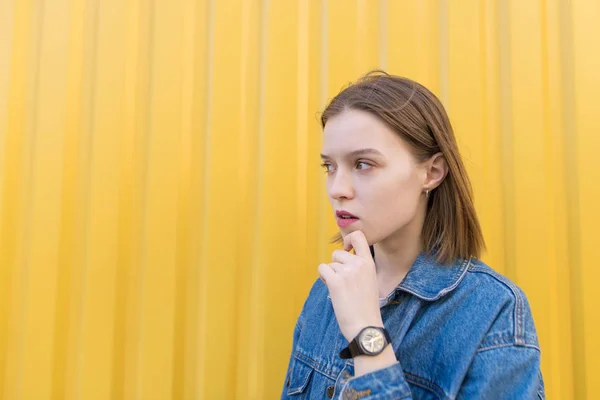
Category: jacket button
<point>350,394</point>
<point>330,390</point>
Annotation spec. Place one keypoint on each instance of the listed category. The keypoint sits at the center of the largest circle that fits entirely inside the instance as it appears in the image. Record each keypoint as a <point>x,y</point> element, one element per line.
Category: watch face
<point>372,340</point>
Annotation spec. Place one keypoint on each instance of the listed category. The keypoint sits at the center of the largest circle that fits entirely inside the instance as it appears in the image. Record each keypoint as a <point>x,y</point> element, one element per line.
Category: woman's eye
<point>326,166</point>
<point>364,163</point>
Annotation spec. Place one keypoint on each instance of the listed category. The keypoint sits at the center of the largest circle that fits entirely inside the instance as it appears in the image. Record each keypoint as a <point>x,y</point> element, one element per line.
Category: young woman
<point>406,310</point>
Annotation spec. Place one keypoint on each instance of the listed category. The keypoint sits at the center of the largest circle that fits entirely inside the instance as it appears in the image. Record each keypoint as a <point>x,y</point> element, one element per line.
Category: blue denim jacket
<point>461,331</point>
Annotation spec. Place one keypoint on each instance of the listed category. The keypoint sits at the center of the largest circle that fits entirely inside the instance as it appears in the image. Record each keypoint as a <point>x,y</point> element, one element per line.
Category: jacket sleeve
<point>507,372</point>
<point>385,383</point>
<point>504,372</point>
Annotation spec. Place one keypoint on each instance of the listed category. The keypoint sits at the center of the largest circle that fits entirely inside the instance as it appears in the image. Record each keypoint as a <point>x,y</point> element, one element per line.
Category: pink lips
<point>343,220</point>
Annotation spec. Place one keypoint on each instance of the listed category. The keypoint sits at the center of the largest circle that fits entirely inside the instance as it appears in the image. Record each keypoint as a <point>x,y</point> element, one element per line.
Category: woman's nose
<point>341,186</point>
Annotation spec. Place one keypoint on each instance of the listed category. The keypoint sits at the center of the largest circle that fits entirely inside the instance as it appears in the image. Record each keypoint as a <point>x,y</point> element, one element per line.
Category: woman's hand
<point>352,283</point>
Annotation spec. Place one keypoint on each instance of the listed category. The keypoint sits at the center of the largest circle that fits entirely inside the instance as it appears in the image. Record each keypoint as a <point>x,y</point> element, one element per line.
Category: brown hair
<point>451,229</point>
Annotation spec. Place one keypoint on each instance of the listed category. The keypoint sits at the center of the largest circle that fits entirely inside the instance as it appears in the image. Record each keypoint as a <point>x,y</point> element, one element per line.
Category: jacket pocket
<point>298,378</point>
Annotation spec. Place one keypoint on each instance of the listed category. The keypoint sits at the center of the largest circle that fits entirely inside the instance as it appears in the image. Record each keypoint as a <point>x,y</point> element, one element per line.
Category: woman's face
<point>372,174</point>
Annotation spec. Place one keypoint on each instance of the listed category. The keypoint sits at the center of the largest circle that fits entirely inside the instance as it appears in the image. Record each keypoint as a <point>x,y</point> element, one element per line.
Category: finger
<point>336,267</point>
<point>358,242</point>
<point>347,245</point>
<point>348,242</point>
<point>326,272</point>
<point>342,256</point>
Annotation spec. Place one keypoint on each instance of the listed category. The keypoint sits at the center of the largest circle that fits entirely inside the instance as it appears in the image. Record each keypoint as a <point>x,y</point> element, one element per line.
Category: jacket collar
<point>429,280</point>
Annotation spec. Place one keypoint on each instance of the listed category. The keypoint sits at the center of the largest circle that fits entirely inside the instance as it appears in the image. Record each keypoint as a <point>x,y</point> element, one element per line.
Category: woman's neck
<point>395,255</point>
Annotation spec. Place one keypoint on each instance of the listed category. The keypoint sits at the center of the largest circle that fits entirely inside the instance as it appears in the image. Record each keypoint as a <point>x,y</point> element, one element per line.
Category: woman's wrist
<point>364,364</point>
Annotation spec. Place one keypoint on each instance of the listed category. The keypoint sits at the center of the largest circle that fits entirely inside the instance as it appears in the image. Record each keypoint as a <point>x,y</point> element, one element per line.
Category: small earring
<point>427,193</point>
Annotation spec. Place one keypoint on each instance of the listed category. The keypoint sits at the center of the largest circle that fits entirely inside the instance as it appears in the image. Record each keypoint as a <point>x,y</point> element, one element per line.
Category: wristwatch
<point>370,341</point>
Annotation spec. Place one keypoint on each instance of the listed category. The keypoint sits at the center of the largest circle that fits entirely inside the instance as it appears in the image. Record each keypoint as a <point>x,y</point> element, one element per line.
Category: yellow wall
<point>162,210</point>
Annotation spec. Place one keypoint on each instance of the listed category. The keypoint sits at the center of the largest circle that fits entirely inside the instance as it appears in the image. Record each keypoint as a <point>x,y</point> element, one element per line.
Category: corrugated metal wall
<point>162,208</point>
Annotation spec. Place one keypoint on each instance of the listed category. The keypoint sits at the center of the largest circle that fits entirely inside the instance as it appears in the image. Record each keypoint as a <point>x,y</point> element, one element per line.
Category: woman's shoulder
<point>500,297</point>
<point>487,279</point>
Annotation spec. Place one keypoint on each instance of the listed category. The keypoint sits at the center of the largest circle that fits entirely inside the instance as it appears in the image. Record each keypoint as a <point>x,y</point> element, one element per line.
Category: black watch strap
<point>351,351</point>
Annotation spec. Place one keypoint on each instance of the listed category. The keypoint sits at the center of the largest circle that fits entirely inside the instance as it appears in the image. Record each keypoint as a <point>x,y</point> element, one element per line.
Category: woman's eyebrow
<point>355,153</point>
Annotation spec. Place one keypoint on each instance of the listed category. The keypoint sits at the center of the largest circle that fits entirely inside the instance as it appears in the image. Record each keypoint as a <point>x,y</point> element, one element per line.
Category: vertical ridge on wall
<point>301,239</point>
<point>506,139</point>
<point>6,31</point>
<point>222,215</point>
<point>88,57</point>
<point>553,187</point>
<point>8,160</point>
<point>39,262</point>
<point>554,104</point>
<point>70,243</point>
<point>586,57</point>
<point>206,64</point>
<point>492,195</point>
<point>162,190</point>
<point>186,226</point>
<point>464,45</point>
<point>323,234</point>
<point>314,99</point>
<point>249,367</point>
<point>279,197</point>
<point>133,201</point>
<point>258,282</point>
<point>106,130</point>
<point>572,198</point>
<point>131,190</point>
<point>18,175</point>
<point>199,164</point>
<point>528,158</point>
<point>258,343</point>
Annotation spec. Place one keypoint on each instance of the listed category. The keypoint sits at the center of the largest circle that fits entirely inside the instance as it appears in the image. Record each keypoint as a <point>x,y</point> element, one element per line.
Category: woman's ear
<point>437,169</point>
